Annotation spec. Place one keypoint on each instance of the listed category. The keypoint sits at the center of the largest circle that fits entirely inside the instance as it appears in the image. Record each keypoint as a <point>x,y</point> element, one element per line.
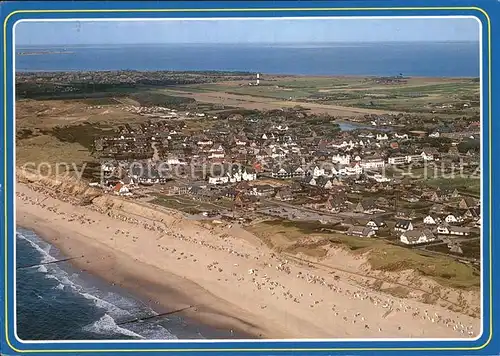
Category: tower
<point>258,79</point>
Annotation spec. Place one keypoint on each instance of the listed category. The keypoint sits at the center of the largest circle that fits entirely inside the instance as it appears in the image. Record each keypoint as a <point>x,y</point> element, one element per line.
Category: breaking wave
<point>117,308</point>
<point>42,247</point>
<point>106,325</point>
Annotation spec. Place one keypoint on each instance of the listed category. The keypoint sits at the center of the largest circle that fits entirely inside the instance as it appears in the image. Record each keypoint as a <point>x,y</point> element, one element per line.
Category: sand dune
<point>231,281</point>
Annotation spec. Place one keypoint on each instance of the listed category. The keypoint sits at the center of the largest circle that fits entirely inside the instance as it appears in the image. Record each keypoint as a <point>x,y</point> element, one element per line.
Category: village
<point>360,179</point>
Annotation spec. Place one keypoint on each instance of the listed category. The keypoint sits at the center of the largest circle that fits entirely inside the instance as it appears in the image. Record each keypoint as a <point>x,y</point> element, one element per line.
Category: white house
<point>299,172</point>
<point>403,136</point>
<point>375,163</point>
<point>281,173</point>
<point>450,218</point>
<point>318,172</point>
<point>174,162</point>
<point>239,176</point>
<point>205,143</point>
<point>459,231</point>
<point>341,159</point>
<point>403,226</point>
<point>397,160</point>
<point>121,189</point>
<point>415,237</point>
<point>453,230</point>
<point>234,177</point>
<point>216,148</point>
<point>427,156</point>
<point>218,180</point>
<point>375,224</point>
<point>443,230</point>
<point>328,185</point>
<point>216,155</point>
<point>430,220</point>
<point>405,159</point>
<point>382,137</point>
<point>353,169</point>
<point>414,158</point>
<point>248,176</point>
<point>434,134</point>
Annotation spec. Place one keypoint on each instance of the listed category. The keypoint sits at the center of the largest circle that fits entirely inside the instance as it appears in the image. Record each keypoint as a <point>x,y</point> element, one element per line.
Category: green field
<point>418,95</point>
<point>467,185</point>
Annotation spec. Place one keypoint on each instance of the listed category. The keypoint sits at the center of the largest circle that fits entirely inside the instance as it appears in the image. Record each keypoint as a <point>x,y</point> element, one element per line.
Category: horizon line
<point>249,43</point>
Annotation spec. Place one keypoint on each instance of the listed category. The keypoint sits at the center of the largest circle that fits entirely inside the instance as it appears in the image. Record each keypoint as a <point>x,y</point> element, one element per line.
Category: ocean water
<point>435,59</point>
<point>58,302</point>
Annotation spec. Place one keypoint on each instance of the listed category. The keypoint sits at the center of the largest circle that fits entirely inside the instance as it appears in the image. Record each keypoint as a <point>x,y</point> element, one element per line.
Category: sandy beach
<point>228,278</point>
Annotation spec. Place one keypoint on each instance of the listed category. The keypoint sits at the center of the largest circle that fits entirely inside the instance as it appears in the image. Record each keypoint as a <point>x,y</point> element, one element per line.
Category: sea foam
<point>116,307</point>
<point>40,246</point>
<point>106,325</point>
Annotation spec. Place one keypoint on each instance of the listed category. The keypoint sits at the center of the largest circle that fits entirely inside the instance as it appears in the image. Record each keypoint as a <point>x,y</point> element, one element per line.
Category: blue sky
<point>246,31</point>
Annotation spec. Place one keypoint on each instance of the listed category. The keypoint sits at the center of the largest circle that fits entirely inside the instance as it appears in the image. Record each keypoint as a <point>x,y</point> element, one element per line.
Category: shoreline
<point>236,73</point>
<point>128,282</point>
<point>42,53</point>
<point>234,281</point>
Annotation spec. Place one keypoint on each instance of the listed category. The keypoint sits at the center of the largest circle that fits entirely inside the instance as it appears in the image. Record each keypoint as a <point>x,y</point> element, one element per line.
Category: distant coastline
<point>235,72</point>
<point>39,53</point>
<point>221,44</point>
